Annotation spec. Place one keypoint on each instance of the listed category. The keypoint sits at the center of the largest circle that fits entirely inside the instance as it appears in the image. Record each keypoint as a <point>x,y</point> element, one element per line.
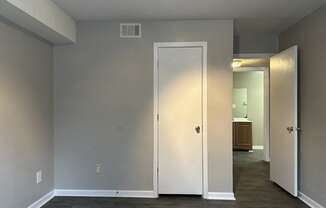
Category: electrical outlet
<point>39,177</point>
<point>98,168</point>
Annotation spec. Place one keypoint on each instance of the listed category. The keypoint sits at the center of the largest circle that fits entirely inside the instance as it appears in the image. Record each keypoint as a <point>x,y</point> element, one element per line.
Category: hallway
<point>253,190</point>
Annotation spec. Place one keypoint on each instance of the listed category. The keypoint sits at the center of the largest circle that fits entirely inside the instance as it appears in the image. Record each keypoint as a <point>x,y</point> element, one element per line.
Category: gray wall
<point>104,104</point>
<point>256,43</point>
<point>310,36</point>
<point>254,82</point>
<point>25,117</point>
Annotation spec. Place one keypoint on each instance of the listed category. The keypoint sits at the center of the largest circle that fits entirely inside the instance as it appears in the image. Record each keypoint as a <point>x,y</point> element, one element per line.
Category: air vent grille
<point>130,30</point>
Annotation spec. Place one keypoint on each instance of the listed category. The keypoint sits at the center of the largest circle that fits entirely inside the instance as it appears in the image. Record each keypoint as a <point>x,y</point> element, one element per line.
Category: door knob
<point>290,129</point>
<point>197,129</point>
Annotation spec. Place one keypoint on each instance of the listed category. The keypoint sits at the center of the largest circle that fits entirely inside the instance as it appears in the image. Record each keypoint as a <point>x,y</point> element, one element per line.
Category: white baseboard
<point>119,193</point>
<point>220,196</point>
<point>43,200</point>
<point>258,147</point>
<point>105,193</point>
<point>310,202</point>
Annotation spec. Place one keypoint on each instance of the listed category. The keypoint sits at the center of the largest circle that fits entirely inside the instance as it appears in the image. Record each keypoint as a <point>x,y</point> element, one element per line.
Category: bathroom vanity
<point>242,134</point>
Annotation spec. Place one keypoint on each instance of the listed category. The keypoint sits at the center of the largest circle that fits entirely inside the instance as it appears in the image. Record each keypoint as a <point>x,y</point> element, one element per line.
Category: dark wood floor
<point>253,190</point>
<point>252,186</point>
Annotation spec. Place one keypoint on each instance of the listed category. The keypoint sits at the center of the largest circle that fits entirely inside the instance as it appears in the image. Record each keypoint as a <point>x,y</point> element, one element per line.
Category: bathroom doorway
<point>248,110</point>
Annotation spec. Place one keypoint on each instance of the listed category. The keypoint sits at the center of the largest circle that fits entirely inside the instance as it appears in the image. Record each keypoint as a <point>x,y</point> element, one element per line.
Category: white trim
<point>155,157</point>
<point>43,200</point>
<point>104,193</point>
<point>266,114</point>
<point>258,147</point>
<point>205,122</point>
<point>310,202</point>
<point>249,68</point>
<point>296,114</point>
<point>125,194</point>
<point>253,55</point>
<point>156,102</point>
<point>220,196</point>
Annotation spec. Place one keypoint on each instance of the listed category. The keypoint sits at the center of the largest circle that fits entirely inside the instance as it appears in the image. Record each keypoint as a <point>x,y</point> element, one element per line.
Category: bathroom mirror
<point>240,103</point>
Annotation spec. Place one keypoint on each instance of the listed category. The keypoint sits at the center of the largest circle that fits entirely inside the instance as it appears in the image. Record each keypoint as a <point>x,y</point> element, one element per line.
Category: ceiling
<point>259,16</point>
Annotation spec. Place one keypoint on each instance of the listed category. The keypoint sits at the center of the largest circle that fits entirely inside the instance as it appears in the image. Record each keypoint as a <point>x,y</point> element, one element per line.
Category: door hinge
<point>158,117</point>
<point>157,169</point>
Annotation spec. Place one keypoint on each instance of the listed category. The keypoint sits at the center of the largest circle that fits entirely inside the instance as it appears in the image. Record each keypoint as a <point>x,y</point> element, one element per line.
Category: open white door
<point>284,119</point>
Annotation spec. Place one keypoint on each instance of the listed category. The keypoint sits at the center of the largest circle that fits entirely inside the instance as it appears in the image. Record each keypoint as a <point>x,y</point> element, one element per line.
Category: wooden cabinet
<point>242,136</point>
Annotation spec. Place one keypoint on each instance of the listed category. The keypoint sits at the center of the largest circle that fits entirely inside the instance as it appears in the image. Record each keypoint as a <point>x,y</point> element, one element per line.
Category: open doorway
<point>250,118</point>
<point>273,87</point>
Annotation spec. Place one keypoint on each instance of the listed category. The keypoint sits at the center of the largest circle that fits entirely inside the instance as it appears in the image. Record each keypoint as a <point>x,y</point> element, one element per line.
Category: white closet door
<point>180,120</point>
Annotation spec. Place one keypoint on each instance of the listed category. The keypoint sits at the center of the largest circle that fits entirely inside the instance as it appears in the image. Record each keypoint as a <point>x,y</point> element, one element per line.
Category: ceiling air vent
<point>130,30</point>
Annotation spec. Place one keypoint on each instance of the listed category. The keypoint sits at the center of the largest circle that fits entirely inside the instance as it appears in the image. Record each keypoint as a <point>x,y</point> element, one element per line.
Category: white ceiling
<point>250,15</point>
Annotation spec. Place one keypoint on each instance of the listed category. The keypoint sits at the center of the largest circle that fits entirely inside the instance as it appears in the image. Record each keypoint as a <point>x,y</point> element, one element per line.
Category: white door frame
<point>203,45</point>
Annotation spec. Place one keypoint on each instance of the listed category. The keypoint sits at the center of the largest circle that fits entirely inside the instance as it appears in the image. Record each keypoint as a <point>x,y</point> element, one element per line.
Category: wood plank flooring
<point>252,187</point>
